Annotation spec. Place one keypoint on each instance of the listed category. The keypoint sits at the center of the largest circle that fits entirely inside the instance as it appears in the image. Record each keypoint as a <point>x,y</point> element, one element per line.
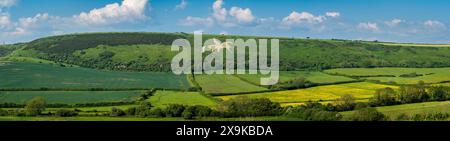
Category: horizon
<point>400,21</point>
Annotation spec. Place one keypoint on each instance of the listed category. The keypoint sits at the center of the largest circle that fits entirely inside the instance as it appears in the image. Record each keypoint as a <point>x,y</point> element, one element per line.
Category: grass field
<point>68,97</point>
<point>430,75</point>
<point>361,90</point>
<point>163,98</point>
<point>415,45</point>
<point>315,77</point>
<point>225,84</point>
<point>29,75</point>
<point>273,118</point>
<point>411,109</point>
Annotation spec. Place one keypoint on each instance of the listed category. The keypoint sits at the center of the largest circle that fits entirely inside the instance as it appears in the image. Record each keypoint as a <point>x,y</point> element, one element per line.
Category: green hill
<point>151,52</point>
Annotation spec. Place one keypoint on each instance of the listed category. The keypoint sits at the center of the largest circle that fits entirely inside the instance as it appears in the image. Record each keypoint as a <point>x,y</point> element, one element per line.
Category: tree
<point>345,102</point>
<point>35,106</point>
<point>244,106</point>
<point>438,93</point>
<point>174,110</point>
<point>367,114</point>
<point>116,112</point>
<point>383,97</point>
<point>66,113</point>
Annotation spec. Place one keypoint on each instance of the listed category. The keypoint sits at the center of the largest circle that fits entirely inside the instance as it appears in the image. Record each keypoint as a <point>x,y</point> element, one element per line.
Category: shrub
<point>438,93</point>
<point>312,114</point>
<point>244,106</point>
<point>345,103</point>
<point>174,110</point>
<point>116,112</point>
<point>367,114</point>
<point>383,97</point>
<point>66,113</point>
<point>35,106</point>
<point>156,112</point>
<point>3,112</point>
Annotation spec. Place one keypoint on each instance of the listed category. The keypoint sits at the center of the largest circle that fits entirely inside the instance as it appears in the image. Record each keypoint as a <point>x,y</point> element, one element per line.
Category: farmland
<point>411,109</point>
<point>313,76</point>
<point>428,75</point>
<point>163,98</point>
<point>225,84</point>
<point>29,75</point>
<point>361,90</point>
<point>69,97</point>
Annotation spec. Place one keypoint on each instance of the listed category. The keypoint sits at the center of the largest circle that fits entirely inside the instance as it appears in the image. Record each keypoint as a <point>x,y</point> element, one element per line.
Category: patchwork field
<point>68,97</point>
<point>225,84</point>
<point>428,75</point>
<point>29,75</point>
<point>163,98</point>
<point>411,109</point>
<point>361,91</point>
<point>315,77</point>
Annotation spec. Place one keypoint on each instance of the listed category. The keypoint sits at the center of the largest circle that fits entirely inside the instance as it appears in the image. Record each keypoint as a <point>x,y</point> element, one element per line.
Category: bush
<point>383,97</point>
<point>156,112</point>
<point>174,110</point>
<point>66,113</point>
<point>438,93</point>
<point>116,112</point>
<point>189,113</point>
<point>3,112</point>
<point>345,103</point>
<point>244,106</point>
<point>312,114</point>
<point>367,114</point>
<point>35,106</point>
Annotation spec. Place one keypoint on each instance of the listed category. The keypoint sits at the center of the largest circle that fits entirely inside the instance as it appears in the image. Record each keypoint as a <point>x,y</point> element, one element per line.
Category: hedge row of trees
<point>409,94</point>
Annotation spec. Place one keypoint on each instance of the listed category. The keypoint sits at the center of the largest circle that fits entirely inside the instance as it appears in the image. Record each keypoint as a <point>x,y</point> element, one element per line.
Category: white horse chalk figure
<point>217,46</point>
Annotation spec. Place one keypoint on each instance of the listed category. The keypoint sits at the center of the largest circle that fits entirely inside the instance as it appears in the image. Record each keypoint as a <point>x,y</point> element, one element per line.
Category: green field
<point>68,97</point>
<point>361,90</point>
<point>415,45</point>
<point>315,77</point>
<point>163,98</point>
<point>29,75</point>
<point>411,109</point>
<point>225,84</point>
<point>429,75</point>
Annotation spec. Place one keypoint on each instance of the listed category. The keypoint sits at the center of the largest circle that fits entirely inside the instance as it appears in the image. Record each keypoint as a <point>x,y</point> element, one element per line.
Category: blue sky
<point>418,21</point>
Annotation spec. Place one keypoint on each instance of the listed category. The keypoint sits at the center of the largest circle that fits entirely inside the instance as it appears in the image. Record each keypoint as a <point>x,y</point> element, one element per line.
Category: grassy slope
<point>225,84</point>
<point>68,97</point>
<point>315,77</point>
<point>362,90</point>
<point>411,109</point>
<point>163,98</point>
<point>27,75</point>
<point>431,75</point>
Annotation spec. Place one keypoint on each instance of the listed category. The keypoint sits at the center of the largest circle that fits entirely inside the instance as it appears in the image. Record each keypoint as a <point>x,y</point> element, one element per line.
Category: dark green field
<point>69,97</point>
<point>29,75</point>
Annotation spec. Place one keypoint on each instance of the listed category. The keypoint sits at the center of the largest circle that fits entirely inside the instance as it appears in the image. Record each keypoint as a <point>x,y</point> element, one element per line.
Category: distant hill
<point>151,52</point>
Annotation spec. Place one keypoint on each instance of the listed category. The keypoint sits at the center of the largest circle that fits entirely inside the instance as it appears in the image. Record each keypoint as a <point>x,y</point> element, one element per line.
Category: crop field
<point>163,98</point>
<point>361,91</point>
<point>429,75</point>
<point>125,53</point>
<point>225,84</point>
<point>315,77</point>
<point>29,75</point>
<point>411,109</point>
<point>68,97</point>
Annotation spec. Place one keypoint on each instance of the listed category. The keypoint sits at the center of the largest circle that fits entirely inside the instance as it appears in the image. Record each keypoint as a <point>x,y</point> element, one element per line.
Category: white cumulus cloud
<point>369,26</point>
<point>219,12</point>
<point>8,3</point>
<point>333,14</point>
<point>394,22</point>
<point>183,4</point>
<point>242,15</point>
<point>434,24</point>
<point>303,17</point>
<point>127,11</point>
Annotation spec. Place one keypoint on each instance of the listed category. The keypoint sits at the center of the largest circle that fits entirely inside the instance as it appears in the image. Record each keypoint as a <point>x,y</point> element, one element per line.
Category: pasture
<point>428,75</point>
<point>313,76</point>
<point>69,97</point>
<point>164,98</point>
<point>28,75</point>
<point>360,90</point>
<point>411,109</point>
<point>225,84</point>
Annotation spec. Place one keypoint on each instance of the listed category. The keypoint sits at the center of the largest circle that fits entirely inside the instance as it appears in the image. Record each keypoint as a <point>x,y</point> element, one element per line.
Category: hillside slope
<point>151,52</point>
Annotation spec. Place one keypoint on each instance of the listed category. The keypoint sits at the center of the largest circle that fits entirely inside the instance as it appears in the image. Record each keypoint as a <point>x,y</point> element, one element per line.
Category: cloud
<point>5,20</point>
<point>432,24</point>
<point>394,22</point>
<point>219,12</point>
<point>301,18</point>
<point>333,14</point>
<point>242,15</point>
<point>8,3</point>
<point>182,5</point>
<point>191,21</point>
<point>32,21</point>
<point>127,11</point>
<point>369,26</point>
